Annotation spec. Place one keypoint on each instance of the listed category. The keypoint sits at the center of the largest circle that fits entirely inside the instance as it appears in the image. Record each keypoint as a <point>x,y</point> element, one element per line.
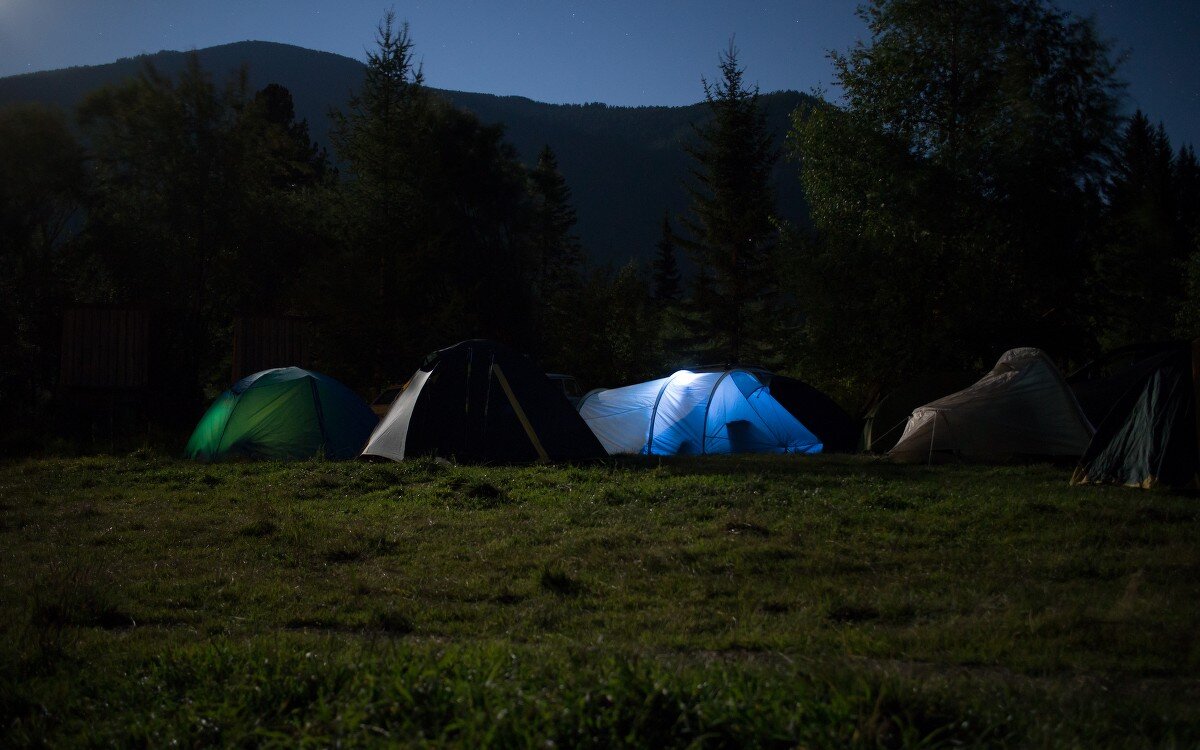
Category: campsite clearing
<point>762,600</point>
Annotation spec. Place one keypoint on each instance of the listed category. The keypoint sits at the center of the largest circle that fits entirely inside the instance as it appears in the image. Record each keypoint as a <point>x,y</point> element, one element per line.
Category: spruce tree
<point>1139,269</point>
<point>1187,194</point>
<point>557,262</point>
<point>1187,207</point>
<point>434,225</point>
<point>730,225</point>
<point>666,267</point>
<point>303,162</point>
<point>559,254</point>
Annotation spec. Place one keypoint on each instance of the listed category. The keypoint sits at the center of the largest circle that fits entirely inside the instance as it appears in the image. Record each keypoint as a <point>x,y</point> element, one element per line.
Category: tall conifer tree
<point>553,219</point>
<point>730,225</point>
<point>1139,269</point>
<point>435,224</point>
<point>666,266</point>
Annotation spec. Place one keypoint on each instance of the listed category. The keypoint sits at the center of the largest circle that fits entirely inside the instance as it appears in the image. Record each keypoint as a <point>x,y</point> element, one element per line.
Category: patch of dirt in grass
<point>315,623</point>
<point>393,621</point>
<point>1043,508</point>
<point>559,583</point>
<point>747,528</point>
<point>476,493</point>
<point>387,621</point>
<point>79,597</point>
<point>508,598</point>
<point>259,528</point>
<point>890,502</point>
<point>1156,514</point>
<point>851,613</point>
<point>89,510</point>
<point>343,555</point>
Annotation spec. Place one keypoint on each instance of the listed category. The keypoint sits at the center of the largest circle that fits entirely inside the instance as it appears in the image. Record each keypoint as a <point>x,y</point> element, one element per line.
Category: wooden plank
<point>104,347</point>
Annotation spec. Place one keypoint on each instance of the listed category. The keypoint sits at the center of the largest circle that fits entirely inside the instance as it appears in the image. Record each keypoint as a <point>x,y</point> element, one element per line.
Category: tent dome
<point>1023,407</point>
<point>1148,436</point>
<point>483,402</point>
<point>283,413</point>
<point>690,413</point>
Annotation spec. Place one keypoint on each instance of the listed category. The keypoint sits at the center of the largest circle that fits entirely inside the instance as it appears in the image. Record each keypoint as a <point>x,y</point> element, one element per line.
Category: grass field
<point>726,602</point>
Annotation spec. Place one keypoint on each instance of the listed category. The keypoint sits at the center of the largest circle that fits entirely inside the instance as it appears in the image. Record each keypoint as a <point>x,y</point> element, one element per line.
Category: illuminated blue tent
<point>692,413</point>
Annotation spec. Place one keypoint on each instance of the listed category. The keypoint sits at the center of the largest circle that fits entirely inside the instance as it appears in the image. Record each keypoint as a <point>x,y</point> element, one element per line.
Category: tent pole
<point>707,406</point>
<point>654,415</point>
<point>467,402</point>
<point>932,437</point>
<point>1196,399</point>
<point>516,405</point>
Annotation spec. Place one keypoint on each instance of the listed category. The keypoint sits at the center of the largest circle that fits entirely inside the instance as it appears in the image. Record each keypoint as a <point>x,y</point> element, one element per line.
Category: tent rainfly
<point>479,401</point>
<point>284,413</point>
<point>1101,383</point>
<point>885,420</point>
<point>1023,407</point>
<point>1149,435</point>
<point>692,413</point>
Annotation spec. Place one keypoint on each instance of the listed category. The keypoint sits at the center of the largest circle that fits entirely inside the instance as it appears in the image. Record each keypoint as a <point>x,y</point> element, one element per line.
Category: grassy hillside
<point>625,165</point>
<point>727,602</point>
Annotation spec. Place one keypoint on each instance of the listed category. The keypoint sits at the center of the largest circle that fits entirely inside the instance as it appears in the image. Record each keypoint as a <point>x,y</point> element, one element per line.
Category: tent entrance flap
<point>516,405</point>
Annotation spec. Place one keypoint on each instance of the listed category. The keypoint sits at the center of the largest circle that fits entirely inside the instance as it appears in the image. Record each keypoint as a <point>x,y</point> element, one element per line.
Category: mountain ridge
<point>625,165</point>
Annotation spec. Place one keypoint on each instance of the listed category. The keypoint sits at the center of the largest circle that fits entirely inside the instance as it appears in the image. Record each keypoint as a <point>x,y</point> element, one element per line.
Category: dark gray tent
<point>1148,437</point>
<point>479,401</point>
<point>1101,383</point>
<point>816,411</point>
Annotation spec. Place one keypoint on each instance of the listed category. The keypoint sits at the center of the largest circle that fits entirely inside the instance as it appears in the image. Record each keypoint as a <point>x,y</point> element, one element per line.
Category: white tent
<point>1023,407</point>
<point>695,413</point>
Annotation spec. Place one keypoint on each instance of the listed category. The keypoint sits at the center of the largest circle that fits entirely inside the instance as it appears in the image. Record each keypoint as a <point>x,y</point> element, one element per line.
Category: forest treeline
<point>977,188</point>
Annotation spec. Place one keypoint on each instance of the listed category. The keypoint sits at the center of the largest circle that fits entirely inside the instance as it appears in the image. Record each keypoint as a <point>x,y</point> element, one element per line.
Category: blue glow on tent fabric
<point>694,413</point>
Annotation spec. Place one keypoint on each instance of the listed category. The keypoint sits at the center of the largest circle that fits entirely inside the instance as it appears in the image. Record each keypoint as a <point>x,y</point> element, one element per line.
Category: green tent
<point>1149,434</point>
<point>283,413</point>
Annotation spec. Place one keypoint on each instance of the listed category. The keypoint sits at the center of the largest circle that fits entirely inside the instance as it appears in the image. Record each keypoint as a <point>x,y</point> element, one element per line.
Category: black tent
<point>1148,436</point>
<point>479,401</point>
<point>816,411</point>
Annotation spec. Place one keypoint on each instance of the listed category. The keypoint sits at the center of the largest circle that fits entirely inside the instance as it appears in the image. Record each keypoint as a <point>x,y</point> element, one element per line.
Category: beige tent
<point>1023,407</point>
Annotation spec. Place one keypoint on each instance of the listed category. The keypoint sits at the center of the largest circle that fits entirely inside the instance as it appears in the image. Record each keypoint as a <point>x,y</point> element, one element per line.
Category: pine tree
<point>434,222</point>
<point>557,262</point>
<point>1187,194</point>
<point>1139,270</point>
<point>300,160</point>
<point>666,267</point>
<point>1187,206</point>
<point>732,235</point>
<point>559,254</point>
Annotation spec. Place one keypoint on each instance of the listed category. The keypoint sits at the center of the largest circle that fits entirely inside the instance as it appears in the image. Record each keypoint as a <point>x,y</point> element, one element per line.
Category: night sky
<point>616,51</point>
